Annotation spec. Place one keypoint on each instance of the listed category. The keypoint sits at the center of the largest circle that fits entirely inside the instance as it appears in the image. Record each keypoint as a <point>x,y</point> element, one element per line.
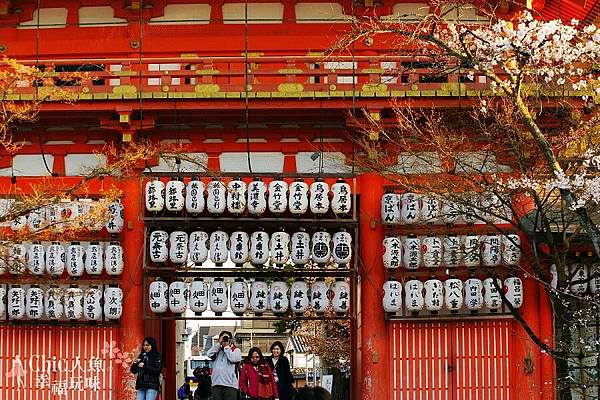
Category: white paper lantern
<point>113,303</point>
<point>198,296</point>
<point>298,203</point>
<point>54,217</point>
<point>215,199</point>
<point>595,278</point>
<point>238,297</point>
<point>473,294</point>
<point>491,296</point>
<point>116,221</point>
<point>16,302</point>
<point>194,196</point>
<point>410,206</point>
<point>93,215</point>
<point>279,247</point>
<point>451,212</point>
<point>259,247</point>
<point>218,297</point>
<point>239,251</point>
<point>321,247</point>
<point>469,214</point>
<point>319,296</point>
<point>178,297</point>
<point>300,248</point>
<point>511,249</point>
<point>299,301</point>
<point>579,274</point>
<point>392,252</point>
<point>4,257</point>
<point>341,296</point>
<point>392,296</point>
<point>55,259</point>
<point>34,303</point>
<point>73,303</point>
<point>53,302</point>
<point>175,195</point>
<point>492,254</point>
<point>413,296</point>
<point>76,212</point>
<point>434,294</point>
<point>432,251</point>
<point>259,301</point>
<point>453,254</point>
<point>3,293</point>
<point>236,196</point>
<point>36,220</point>
<point>92,304</point>
<point>278,196</point>
<point>155,195</point>
<point>113,261</point>
<point>390,209</point>
<point>18,223</point>
<point>159,252</point>
<point>453,294</point>
<point>411,252</point>
<point>257,200</point>
<point>342,247</point>
<point>430,210</point>
<point>17,254</point>
<point>158,296</point>
<point>218,247</point>
<point>319,197</point>
<point>198,247</point>
<point>94,259</point>
<point>341,203</point>
<point>178,247</point>
<point>36,258</point>
<point>75,264</point>
<point>278,297</point>
<point>513,291</point>
<point>472,251</point>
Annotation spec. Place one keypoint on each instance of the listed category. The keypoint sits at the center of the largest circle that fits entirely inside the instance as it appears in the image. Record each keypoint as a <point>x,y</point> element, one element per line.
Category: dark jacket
<point>284,375</point>
<point>148,375</point>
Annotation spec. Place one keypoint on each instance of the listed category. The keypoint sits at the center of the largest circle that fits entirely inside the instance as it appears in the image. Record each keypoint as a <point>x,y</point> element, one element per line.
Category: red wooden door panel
<point>57,363</point>
<point>464,360</point>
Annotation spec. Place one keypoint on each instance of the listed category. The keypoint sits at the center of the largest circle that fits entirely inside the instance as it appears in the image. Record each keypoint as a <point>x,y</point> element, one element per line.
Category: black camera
<point>225,339</point>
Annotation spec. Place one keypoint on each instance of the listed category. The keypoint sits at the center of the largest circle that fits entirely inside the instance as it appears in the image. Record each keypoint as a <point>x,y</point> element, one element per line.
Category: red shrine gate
<point>261,90</point>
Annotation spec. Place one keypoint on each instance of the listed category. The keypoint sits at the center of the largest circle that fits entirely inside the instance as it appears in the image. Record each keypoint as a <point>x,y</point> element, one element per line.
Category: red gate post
<point>132,320</point>
<point>374,373</point>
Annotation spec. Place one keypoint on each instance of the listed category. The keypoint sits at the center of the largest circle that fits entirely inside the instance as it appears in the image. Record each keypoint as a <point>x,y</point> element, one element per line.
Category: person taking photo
<point>226,358</point>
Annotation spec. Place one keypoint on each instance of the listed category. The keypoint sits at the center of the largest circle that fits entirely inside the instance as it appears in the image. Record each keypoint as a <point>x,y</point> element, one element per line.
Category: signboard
<point>327,382</point>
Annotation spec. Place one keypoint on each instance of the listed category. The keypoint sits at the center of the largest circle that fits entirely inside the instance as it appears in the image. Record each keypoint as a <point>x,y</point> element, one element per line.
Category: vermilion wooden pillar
<point>374,371</point>
<point>547,335</point>
<point>132,320</point>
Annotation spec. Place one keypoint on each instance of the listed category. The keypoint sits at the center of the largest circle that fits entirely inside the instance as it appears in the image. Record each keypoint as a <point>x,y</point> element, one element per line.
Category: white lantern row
<point>410,208</point>
<point>256,197</point>
<point>451,294</point>
<point>240,297</point>
<point>57,217</point>
<point>584,277</point>
<point>55,303</point>
<point>56,258</point>
<point>257,247</point>
<point>451,251</point>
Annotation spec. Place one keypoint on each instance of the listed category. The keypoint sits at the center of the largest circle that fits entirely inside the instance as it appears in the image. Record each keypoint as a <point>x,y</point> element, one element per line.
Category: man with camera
<point>226,358</point>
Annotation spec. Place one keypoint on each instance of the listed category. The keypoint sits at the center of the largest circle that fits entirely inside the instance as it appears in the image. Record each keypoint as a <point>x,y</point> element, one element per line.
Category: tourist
<point>283,374</point>
<point>256,378</point>
<point>226,358</point>
<point>147,366</point>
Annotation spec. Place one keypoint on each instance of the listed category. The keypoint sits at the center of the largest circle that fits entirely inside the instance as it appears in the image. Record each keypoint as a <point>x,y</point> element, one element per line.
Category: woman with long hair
<point>147,366</point>
<point>256,378</point>
<point>283,374</point>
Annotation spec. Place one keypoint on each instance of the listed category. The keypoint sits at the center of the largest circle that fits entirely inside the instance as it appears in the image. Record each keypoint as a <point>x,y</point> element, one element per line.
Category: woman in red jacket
<point>256,378</point>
